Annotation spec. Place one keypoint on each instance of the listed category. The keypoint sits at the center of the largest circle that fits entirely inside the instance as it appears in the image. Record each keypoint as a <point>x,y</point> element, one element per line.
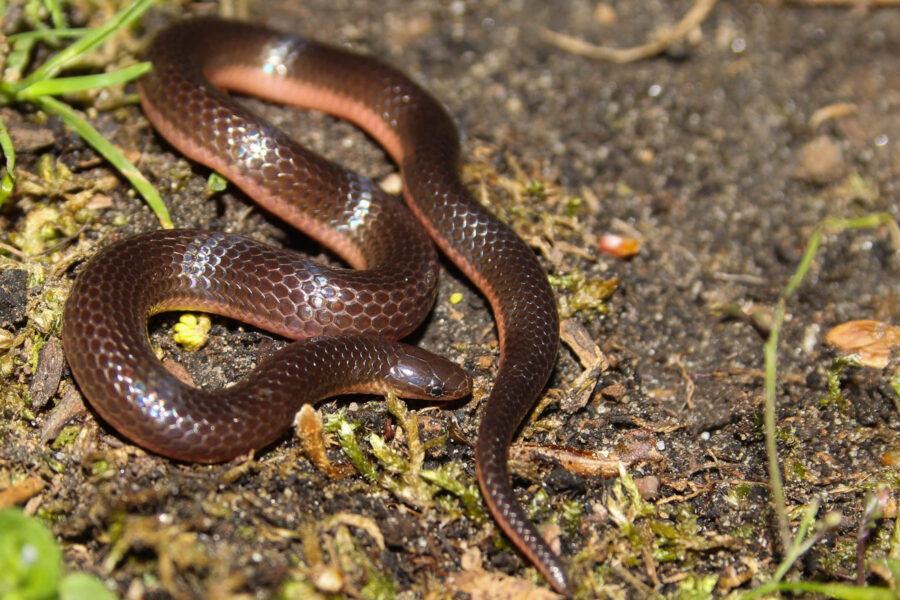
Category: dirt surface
<point>705,154</point>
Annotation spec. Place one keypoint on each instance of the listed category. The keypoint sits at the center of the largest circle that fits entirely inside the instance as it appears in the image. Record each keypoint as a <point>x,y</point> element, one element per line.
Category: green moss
<point>797,471</point>
<point>841,554</point>
<point>379,587</point>
<point>49,515</point>
<point>745,532</point>
<point>345,432</point>
<point>742,491</point>
<point>784,434</point>
<point>835,396</point>
<point>294,589</point>
<point>46,316</point>
<point>571,512</point>
<point>102,469</point>
<point>696,587</point>
<point>43,226</point>
<point>390,460</point>
<point>451,478</point>
<point>895,383</point>
<point>66,436</point>
<point>573,206</point>
<point>736,495</point>
<point>538,505</point>
<point>55,465</point>
<point>248,532</point>
<point>663,529</point>
<point>536,189</point>
<point>582,295</point>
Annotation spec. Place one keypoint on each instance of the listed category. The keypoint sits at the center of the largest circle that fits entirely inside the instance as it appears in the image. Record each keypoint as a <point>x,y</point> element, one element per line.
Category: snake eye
<point>436,391</point>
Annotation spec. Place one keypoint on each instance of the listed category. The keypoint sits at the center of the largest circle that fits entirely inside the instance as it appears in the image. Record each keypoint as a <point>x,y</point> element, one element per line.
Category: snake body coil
<point>388,293</point>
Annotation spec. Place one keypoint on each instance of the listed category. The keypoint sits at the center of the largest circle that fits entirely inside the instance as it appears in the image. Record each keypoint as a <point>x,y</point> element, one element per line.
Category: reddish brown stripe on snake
<point>333,206</point>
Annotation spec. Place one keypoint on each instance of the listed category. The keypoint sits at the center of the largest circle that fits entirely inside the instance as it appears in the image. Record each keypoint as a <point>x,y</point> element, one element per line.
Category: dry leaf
<point>872,341</point>
<point>587,463</point>
<point>481,585</point>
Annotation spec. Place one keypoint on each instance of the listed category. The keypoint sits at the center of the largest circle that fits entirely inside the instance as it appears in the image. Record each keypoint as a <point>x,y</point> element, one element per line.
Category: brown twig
<point>832,111</point>
<point>691,19</point>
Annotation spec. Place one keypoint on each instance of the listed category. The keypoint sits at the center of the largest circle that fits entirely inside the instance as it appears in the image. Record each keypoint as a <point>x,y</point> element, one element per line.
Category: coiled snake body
<point>388,293</point>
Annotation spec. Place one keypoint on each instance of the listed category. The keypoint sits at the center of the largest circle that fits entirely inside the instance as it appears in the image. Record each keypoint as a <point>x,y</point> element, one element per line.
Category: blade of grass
<point>68,85</point>
<point>41,84</point>
<point>16,61</point>
<point>109,152</point>
<point>800,543</point>
<point>869,221</point>
<point>9,153</point>
<point>96,37</point>
<point>770,351</point>
<point>43,34</point>
<point>56,14</point>
<point>842,591</point>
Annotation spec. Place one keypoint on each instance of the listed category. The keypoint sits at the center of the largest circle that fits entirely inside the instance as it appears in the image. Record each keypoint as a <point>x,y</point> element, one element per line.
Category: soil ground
<point>706,154</point>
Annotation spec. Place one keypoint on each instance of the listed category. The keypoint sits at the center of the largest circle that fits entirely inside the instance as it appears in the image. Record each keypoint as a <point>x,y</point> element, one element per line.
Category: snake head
<point>419,374</point>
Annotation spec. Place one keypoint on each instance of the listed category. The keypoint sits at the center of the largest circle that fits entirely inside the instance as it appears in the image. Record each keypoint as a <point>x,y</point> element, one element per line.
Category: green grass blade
<point>770,352</point>
<point>68,85</point>
<point>16,63</point>
<point>43,34</point>
<point>793,549</point>
<point>841,591</point>
<point>96,37</point>
<point>9,153</point>
<point>56,14</point>
<point>110,153</point>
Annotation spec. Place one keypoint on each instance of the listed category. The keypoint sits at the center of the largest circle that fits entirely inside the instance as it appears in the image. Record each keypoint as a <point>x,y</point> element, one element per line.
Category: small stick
<point>691,19</point>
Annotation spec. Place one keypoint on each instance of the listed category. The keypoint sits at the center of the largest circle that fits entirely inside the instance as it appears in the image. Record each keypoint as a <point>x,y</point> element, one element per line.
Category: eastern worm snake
<point>105,320</point>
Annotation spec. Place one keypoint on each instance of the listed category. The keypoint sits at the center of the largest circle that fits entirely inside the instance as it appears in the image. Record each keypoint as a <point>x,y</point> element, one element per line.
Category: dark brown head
<point>417,373</point>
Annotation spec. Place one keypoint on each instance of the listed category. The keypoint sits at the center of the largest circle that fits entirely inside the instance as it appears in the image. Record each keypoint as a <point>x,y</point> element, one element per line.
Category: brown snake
<point>105,331</point>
